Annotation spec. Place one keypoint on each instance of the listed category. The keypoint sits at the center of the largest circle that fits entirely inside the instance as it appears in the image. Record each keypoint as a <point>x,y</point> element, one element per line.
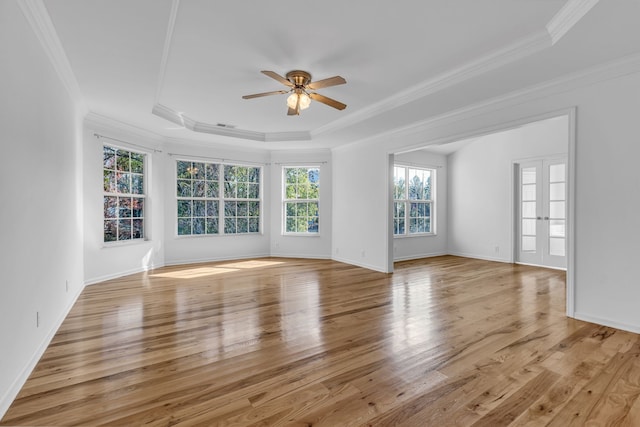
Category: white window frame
<point>286,200</point>
<point>221,199</point>
<point>407,202</point>
<point>119,195</point>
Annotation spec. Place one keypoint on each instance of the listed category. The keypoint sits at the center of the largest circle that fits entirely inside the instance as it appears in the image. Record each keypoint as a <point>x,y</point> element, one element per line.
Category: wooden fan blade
<point>258,95</point>
<point>328,101</point>
<point>277,77</point>
<point>331,81</point>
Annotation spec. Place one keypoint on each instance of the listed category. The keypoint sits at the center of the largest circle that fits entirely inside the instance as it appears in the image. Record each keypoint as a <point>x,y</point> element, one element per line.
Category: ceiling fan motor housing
<point>299,78</point>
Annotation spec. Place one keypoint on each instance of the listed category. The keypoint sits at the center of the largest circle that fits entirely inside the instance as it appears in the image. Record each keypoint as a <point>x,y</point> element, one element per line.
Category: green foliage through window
<point>301,199</point>
<point>124,198</point>
<point>217,199</point>
<point>413,200</point>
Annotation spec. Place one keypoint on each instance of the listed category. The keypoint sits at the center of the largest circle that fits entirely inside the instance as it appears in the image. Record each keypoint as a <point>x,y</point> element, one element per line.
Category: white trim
<point>359,264</point>
<point>520,48</point>
<point>100,123</point>
<point>166,50</point>
<point>482,257</point>
<point>541,266</point>
<point>299,256</point>
<point>635,328</point>
<point>567,17</point>
<point>201,127</point>
<point>38,17</point>
<point>420,256</point>
<point>571,215</point>
<point>12,392</point>
<point>111,276</point>
<point>603,72</point>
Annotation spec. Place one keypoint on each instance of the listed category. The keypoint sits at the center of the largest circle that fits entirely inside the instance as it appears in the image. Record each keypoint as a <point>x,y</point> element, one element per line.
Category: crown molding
<point>567,17</point>
<point>166,50</point>
<point>38,18</point>
<point>496,59</point>
<point>202,127</point>
<point>583,78</point>
<point>99,122</point>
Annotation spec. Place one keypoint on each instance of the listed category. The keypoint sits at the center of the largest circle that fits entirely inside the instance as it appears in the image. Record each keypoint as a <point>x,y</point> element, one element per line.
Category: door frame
<point>570,113</point>
<point>517,208</point>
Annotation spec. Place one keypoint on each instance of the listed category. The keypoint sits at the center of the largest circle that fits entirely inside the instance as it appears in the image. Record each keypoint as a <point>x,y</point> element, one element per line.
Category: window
<point>413,200</point>
<point>217,199</point>
<point>301,199</point>
<point>124,198</point>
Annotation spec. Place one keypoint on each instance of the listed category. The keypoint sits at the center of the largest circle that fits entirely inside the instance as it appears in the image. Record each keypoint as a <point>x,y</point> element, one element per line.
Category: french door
<point>541,213</point>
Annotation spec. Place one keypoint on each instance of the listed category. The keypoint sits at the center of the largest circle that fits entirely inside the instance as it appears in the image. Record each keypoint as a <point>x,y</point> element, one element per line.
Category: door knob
<point>546,218</point>
<point>539,218</point>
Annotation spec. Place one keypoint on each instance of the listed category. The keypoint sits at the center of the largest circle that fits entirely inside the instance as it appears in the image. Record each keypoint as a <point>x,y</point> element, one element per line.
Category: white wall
<point>186,249</point>
<point>607,193</point>
<point>481,186</point>
<point>106,261</point>
<point>40,214</point>
<point>316,246</point>
<point>361,206</point>
<point>413,247</point>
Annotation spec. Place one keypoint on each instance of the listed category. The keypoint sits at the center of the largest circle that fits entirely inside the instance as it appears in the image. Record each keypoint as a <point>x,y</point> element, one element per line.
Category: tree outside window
<point>301,201</point>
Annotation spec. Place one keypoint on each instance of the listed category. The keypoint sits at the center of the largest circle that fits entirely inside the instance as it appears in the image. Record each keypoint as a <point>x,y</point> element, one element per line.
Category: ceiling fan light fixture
<point>292,100</point>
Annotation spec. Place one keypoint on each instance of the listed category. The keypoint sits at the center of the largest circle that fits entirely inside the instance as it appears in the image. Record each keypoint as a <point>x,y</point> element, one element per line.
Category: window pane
<point>557,228</point>
<point>529,227</point>
<point>198,189</point>
<point>110,230</point>
<point>301,225</point>
<point>137,231</point>
<point>556,246</point>
<point>529,192</point>
<point>313,225</point>
<point>184,208</point>
<point>110,185</point>
<point>254,191</point>
<point>184,188</point>
<point>184,226</point>
<point>254,208</point>
<point>137,207</point>
<point>124,182</point>
<point>528,244</point>
<point>212,225</point>
<point>198,226</point>
<point>242,191</point>
<point>212,208</point>
<point>243,209</point>
<point>557,173</point>
<point>137,184</point>
<point>124,229</point>
<point>199,208</point>
<point>230,225</point>
<point>556,210</point>
<point>229,209</point>
<point>110,207</point>
<point>529,175</point>
<point>109,158</point>
<point>212,189</point>
<point>254,225</point>
<point>291,225</point>
<point>124,207</point>
<point>137,162</point>
<point>242,225</point>
<point>229,173</point>
<point>230,190</point>
<point>290,192</point>
<point>556,191</point>
<point>198,171</point>
<point>528,209</point>
<point>211,172</point>
<point>254,175</point>
<point>183,169</point>
<point>123,162</point>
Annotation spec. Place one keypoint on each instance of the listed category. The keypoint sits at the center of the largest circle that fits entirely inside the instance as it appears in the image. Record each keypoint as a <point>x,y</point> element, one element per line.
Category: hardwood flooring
<point>443,341</point>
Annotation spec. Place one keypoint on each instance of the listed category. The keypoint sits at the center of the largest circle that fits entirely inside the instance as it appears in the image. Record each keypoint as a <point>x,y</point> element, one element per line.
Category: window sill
<point>301,235</point>
<point>200,236</point>
<point>125,243</point>
<point>408,236</point>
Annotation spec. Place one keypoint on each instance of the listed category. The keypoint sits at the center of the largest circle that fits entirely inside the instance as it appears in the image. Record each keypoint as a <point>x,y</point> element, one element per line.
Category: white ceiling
<point>190,61</point>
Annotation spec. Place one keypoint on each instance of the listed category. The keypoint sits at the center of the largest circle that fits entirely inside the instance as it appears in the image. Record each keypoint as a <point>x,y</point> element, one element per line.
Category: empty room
<point>337,213</point>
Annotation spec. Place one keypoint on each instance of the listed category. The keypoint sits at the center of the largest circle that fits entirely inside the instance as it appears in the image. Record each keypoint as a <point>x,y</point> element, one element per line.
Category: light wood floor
<point>443,341</point>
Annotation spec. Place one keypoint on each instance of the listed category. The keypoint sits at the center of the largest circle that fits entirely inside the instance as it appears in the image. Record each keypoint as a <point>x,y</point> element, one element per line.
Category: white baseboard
<point>298,255</point>
<point>359,264</point>
<point>419,256</point>
<point>607,322</point>
<point>482,257</point>
<point>7,399</point>
<point>106,277</point>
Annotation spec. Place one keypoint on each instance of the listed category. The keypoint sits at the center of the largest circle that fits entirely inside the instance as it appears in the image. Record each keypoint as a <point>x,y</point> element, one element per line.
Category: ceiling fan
<point>300,85</point>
